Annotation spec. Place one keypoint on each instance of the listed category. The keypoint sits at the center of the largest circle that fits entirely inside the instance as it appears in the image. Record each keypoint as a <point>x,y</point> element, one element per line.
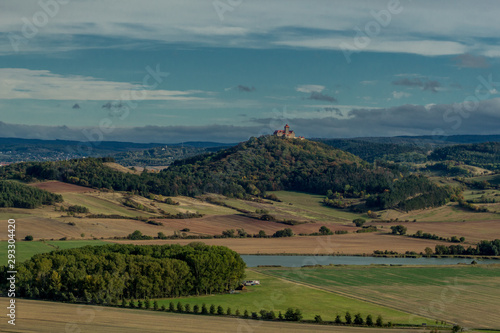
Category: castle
<point>287,133</point>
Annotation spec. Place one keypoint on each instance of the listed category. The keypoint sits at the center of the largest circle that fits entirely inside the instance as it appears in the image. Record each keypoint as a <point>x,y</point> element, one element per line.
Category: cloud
<point>471,61</point>
<point>400,94</point>
<point>367,82</point>
<point>468,27</point>
<point>245,88</point>
<point>425,84</point>
<point>322,97</point>
<point>333,110</point>
<point>309,88</point>
<point>76,106</point>
<point>22,83</point>
<point>442,119</point>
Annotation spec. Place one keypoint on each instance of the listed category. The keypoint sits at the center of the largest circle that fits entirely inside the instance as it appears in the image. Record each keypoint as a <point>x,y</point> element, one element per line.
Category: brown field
<point>49,317</point>
<point>473,231</point>
<point>336,244</point>
<point>215,224</point>
<point>121,168</point>
<point>60,187</point>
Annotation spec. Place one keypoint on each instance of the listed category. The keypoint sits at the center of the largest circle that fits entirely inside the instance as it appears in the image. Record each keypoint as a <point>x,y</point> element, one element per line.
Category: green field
<point>300,206</point>
<point>468,295</point>
<point>102,205</point>
<point>278,295</point>
<point>25,250</point>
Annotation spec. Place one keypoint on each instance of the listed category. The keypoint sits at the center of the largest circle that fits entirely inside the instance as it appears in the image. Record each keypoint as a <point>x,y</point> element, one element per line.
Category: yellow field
<point>50,317</point>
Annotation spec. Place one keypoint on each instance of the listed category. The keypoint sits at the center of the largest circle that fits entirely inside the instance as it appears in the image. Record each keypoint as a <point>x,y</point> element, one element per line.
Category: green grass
<point>467,295</point>
<point>100,206</point>
<point>279,295</point>
<point>25,250</point>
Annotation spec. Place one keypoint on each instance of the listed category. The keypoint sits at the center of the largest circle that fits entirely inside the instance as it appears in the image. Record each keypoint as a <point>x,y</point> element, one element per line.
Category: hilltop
<point>251,168</point>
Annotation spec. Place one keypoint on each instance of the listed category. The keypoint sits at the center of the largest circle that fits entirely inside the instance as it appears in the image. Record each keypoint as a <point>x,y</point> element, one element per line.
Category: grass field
<point>49,317</point>
<point>25,250</point>
<point>468,295</point>
<point>278,295</point>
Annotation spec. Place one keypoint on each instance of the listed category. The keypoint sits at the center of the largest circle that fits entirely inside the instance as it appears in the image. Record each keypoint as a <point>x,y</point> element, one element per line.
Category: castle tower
<point>287,129</point>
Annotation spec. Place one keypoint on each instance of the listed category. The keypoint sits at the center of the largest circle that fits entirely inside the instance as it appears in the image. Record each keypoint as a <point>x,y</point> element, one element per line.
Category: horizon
<point>214,71</point>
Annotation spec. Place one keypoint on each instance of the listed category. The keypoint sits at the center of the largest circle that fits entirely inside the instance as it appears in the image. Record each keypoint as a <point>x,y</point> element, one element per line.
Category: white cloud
<point>400,94</point>
<point>21,83</point>
<point>309,88</point>
<point>264,24</point>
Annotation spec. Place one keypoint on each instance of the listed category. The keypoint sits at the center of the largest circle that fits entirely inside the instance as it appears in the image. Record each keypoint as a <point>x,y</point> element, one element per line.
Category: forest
<point>483,155</point>
<point>106,274</point>
<point>249,169</point>
<point>14,194</point>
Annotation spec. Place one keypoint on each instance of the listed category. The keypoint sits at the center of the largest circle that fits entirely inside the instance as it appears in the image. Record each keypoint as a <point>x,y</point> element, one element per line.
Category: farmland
<point>48,317</point>
<point>467,295</point>
<point>25,250</point>
<point>277,295</point>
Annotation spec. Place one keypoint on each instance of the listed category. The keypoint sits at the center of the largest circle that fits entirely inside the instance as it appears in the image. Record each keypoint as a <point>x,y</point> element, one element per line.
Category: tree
<point>325,231</point>
<point>196,309</point>
<point>171,307</point>
<point>28,238</point>
<point>212,309</point>
<point>318,319</point>
<point>187,308</point>
<point>139,304</point>
<point>457,328</point>
<point>147,304</point>
<point>399,229</point>
<point>237,313</point>
<point>348,318</point>
<point>358,320</point>
<point>229,312</point>
<point>428,251</point>
<point>359,222</point>
<point>379,322</point>
<point>245,314</point>
<point>262,234</point>
<point>204,309</point>
<point>180,308</point>
<point>131,304</point>
<point>338,320</point>
<point>369,320</point>
<point>289,314</point>
<point>220,310</point>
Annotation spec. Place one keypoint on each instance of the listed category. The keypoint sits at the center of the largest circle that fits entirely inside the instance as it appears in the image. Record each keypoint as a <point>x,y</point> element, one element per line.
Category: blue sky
<point>171,71</point>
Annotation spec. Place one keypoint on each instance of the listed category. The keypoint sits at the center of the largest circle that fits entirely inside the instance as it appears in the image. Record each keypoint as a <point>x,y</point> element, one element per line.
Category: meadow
<point>49,317</point>
<point>467,295</point>
<point>277,294</point>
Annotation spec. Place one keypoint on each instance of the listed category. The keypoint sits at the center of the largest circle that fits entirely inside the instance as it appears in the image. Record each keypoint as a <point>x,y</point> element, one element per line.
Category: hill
<point>483,155</point>
<point>251,168</point>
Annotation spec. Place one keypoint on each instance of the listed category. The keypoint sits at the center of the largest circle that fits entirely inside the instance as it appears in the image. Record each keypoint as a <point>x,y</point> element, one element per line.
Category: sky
<point>225,70</point>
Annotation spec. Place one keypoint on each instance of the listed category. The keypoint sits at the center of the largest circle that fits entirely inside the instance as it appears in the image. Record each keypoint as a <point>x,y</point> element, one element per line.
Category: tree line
<point>13,194</point>
<point>105,274</point>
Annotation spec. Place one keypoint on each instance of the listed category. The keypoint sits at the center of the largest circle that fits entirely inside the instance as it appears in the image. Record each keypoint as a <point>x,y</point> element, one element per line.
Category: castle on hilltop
<point>287,133</point>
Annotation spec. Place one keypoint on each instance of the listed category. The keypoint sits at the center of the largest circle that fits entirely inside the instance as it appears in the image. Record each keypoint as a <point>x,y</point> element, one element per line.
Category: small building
<point>287,133</point>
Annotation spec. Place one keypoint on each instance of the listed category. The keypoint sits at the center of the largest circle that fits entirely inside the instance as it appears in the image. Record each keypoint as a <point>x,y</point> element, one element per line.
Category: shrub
<point>196,308</point>
<point>318,319</point>
<point>348,318</point>
<point>358,320</point>
<point>228,312</point>
<point>359,222</point>
<point>28,238</point>
<point>338,320</point>
<point>212,309</point>
<point>204,309</point>
<point>187,308</point>
<point>220,310</point>
<point>180,308</point>
<point>171,307</point>
<point>379,321</point>
<point>245,314</point>
<point>369,320</point>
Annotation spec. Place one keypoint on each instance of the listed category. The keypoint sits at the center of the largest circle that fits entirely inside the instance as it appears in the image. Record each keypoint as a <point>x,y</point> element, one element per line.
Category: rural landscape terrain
<point>452,211</point>
<point>250,166</point>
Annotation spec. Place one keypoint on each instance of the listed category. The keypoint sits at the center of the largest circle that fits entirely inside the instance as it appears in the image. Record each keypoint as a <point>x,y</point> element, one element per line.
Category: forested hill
<point>250,168</point>
<point>484,155</point>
